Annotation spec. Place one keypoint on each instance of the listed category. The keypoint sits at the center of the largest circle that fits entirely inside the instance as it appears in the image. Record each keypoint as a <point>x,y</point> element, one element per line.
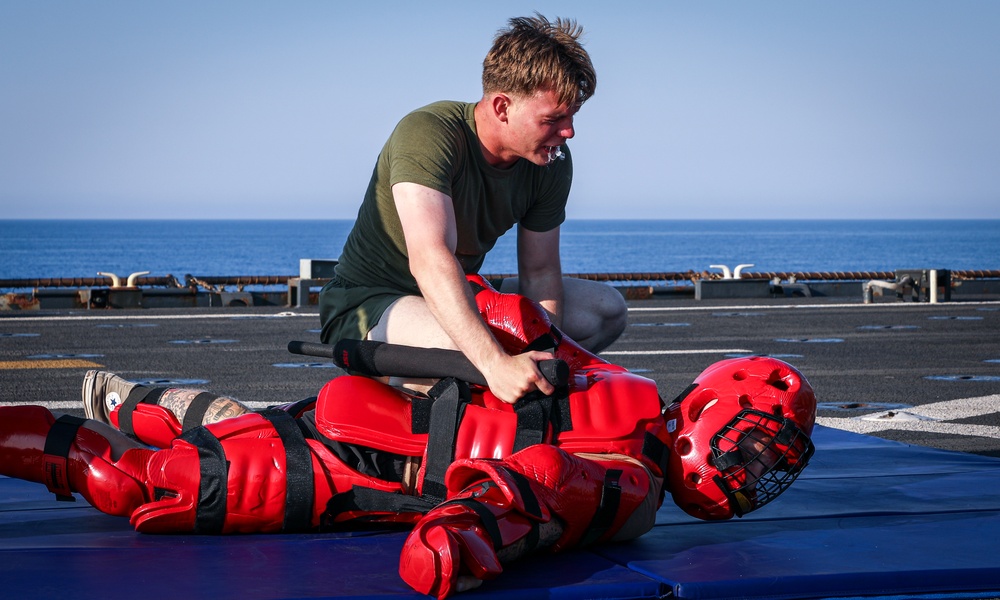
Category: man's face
<point>763,457</point>
<point>537,126</point>
<point>759,456</point>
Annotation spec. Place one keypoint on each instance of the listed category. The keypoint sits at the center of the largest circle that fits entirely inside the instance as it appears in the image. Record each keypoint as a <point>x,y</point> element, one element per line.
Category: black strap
<point>786,435</point>
<point>544,343</point>
<point>373,503</point>
<point>604,517</point>
<point>138,395</point>
<point>528,498</point>
<point>298,471</point>
<point>532,422</point>
<point>655,450</point>
<point>486,518</point>
<point>536,415</point>
<point>420,414</point>
<point>213,487</point>
<point>685,393</point>
<point>450,397</point>
<point>489,520</point>
<point>728,460</point>
<point>194,416</point>
<point>297,408</point>
<point>58,444</point>
<point>562,418</point>
<point>477,288</point>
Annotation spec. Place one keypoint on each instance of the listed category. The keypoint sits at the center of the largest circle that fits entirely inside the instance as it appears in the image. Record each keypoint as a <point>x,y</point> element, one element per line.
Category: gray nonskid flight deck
<point>925,374</point>
<point>869,518</point>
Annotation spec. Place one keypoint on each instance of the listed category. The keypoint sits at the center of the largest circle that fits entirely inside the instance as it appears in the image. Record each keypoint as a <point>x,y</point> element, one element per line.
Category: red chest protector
<point>605,410</point>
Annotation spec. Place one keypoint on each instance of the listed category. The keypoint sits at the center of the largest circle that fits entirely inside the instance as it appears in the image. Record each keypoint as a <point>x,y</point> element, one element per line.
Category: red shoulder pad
<point>612,413</point>
<point>359,410</point>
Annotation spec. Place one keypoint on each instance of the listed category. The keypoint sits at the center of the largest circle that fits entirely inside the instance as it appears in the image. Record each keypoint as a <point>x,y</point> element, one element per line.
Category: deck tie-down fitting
<point>116,281</point>
<point>918,282</point>
<point>736,273</point>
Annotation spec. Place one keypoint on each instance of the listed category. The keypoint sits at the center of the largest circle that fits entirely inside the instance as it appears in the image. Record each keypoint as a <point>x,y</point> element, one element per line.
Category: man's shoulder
<point>440,125</point>
<point>444,111</point>
<point>446,107</point>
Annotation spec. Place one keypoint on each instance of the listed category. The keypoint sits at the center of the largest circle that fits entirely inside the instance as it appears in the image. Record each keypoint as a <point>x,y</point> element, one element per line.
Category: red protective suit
<point>494,480</point>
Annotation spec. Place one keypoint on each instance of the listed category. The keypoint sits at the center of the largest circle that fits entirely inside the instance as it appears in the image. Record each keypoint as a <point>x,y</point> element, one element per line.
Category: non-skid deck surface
<point>867,518</point>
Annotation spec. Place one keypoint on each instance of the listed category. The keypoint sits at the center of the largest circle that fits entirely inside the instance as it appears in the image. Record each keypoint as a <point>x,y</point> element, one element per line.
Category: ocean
<point>63,248</point>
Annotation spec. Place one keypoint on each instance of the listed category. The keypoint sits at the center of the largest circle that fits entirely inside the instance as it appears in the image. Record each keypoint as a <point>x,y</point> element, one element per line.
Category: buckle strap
<point>490,522</point>
<point>58,444</point>
<point>486,518</point>
<point>195,413</point>
<point>298,471</point>
<point>213,486</point>
<point>536,415</point>
<point>371,507</point>
<point>656,451</point>
<point>450,397</point>
<point>138,395</point>
<point>604,517</point>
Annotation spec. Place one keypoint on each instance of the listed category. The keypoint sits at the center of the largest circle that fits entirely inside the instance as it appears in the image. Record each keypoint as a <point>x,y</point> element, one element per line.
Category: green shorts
<point>348,311</point>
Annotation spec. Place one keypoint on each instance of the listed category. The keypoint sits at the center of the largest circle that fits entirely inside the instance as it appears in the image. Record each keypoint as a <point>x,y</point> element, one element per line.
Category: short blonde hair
<point>533,54</point>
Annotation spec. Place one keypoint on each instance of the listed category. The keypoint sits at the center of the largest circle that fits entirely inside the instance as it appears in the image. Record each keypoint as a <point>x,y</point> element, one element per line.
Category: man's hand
<point>510,378</point>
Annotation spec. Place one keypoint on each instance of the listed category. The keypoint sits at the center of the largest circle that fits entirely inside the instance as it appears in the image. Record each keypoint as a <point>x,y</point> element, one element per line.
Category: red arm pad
<point>565,486</point>
<point>448,541</point>
<point>497,507</point>
<point>516,322</point>
<point>617,412</point>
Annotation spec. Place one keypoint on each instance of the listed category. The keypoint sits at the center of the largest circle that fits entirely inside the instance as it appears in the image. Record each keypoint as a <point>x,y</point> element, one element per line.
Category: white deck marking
<point>927,418</point>
<point>676,352</point>
<point>281,315</point>
<point>761,307</point>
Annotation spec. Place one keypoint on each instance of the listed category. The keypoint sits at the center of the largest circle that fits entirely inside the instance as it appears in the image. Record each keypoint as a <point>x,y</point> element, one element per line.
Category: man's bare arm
<point>428,221</point>
<point>540,270</point>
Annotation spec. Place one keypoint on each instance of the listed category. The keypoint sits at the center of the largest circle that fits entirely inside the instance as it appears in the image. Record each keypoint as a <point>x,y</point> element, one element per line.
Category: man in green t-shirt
<point>451,179</point>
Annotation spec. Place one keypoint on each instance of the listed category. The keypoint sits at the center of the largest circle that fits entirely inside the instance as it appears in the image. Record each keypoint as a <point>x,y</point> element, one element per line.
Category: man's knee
<point>595,314</point>
<point>613,317</point>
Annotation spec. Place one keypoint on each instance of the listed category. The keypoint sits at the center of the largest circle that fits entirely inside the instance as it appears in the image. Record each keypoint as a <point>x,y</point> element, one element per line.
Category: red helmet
<point>739,436</point>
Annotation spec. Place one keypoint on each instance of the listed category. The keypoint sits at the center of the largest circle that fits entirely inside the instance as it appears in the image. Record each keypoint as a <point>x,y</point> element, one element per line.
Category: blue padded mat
<point>868,518</point>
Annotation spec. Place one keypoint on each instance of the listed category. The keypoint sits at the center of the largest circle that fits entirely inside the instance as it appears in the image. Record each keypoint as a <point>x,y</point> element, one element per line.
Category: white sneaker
<point>102,392</point>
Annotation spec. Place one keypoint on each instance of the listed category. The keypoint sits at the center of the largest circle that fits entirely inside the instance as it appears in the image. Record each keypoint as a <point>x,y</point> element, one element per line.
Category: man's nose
<point>568,131</point>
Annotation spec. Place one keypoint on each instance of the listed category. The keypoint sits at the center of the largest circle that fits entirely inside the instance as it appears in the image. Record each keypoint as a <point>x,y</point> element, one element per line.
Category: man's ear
<point>500,103</point>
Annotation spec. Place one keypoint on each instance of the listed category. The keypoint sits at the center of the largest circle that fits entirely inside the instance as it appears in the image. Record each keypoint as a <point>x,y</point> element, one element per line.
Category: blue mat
<point>869,517</point>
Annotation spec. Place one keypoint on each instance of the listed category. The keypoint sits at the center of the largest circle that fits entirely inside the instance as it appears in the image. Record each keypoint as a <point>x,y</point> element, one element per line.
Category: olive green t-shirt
<point>436,146</point>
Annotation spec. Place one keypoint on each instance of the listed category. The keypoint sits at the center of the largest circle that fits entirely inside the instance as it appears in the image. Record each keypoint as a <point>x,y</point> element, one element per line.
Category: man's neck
<point>487,131</point>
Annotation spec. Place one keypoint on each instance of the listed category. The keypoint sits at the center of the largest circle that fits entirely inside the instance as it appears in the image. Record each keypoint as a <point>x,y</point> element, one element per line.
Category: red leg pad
<point>113,487</point>
<point>154,425</point>
<point>256,482</point>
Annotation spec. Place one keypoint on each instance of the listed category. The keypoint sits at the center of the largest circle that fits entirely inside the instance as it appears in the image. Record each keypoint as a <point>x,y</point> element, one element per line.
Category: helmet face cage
<point>758,455</point>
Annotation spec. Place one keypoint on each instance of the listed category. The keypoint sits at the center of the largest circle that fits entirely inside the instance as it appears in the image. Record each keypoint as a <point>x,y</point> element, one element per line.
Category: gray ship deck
<point>921,373</point>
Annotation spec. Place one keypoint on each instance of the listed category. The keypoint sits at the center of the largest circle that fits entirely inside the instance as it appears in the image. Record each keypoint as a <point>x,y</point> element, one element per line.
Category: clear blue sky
<point>729,109</point>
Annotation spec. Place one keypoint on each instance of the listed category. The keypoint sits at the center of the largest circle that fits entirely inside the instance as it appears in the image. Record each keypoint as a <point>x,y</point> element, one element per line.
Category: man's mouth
<point>554,153</point>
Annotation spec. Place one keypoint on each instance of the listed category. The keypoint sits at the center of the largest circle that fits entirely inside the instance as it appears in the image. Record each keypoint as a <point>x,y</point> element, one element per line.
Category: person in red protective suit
<point>482,482</point>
